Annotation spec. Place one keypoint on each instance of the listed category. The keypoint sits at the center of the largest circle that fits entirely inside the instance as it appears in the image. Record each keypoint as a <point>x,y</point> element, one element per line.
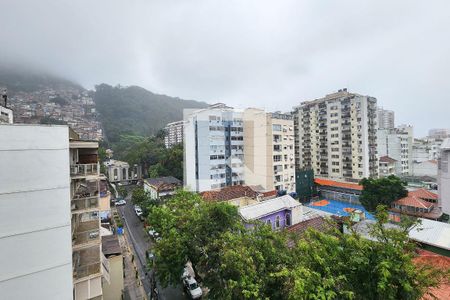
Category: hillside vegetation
<point>135,111</point>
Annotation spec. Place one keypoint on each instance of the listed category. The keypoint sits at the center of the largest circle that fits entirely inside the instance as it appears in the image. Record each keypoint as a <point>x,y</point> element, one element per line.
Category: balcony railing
<point>80,238</point>
<point>84,169</point>
<point>86,270</point>
<point>84,203</point>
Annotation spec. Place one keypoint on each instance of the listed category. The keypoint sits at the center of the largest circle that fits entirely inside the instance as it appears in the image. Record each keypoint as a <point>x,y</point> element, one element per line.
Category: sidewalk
<point>133,287</point>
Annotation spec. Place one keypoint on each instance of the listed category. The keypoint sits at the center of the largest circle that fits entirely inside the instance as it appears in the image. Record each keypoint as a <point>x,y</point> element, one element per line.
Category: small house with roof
<point>387,166</point>
<point>419,203</point>
<point>280,212</point>
<point>162,186</point>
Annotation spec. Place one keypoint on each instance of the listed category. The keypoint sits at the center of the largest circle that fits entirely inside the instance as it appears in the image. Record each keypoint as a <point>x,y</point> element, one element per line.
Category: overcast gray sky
<point>270,54</point>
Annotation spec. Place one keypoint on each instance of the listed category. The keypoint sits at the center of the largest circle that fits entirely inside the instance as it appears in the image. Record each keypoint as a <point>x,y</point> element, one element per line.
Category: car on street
<point>120,202</point>
<point>138,210</point>
<point>192,287</point>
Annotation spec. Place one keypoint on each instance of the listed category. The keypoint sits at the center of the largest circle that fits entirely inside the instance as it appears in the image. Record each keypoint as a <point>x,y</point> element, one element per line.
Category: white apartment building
<point>269,150</point>
<point>444,177</point>
<point>35,218</point>
<point>439,133</point>
<point>213,148</point>
<point>426,149</point>
<point>397,144</point>
<point>88,262</point>
<point>174,134</point>
<point>386,118</point>
<point>336,136</point>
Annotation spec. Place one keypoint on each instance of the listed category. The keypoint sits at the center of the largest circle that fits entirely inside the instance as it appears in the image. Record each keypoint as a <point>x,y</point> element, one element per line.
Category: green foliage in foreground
<point>240,263</point>
<point>381,191</point>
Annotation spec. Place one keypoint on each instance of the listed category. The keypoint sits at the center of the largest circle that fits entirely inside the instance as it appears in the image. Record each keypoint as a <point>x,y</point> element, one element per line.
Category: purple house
<point>278,212</point>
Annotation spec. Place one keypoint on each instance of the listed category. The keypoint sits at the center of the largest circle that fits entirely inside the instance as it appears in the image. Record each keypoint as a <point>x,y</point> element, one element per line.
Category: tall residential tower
<point>336,136</point>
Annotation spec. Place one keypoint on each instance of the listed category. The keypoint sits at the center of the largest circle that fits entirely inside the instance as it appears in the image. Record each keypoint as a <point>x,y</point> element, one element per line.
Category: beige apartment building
<point>269,150</point>
<point>336,136</point>
<point>88,261</point>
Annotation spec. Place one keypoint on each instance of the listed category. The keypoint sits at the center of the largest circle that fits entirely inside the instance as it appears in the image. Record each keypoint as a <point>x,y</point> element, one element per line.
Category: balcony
<point>84,204</point>
<point>84,170</point>
<point>86,262</point>
<point>86,232</point>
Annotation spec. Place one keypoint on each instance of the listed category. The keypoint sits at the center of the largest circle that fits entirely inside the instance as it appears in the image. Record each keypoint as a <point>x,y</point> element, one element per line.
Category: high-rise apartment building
<point>269,150</point>
<point>88,261</point>
<point>397,144</point>
<point>386,118</point>
<point>174,134</point>
<point>225,146</point>
<point>35,227</point>
<point>444,177</point>
<point>213,148</point>
<point>336,136</point>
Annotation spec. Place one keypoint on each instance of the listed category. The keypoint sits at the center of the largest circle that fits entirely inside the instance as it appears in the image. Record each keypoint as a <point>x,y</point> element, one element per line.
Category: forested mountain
<point>135,111</point>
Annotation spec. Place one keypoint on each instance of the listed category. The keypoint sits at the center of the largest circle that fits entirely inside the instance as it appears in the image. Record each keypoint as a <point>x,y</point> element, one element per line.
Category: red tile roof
<point>424,194</point>
<point>319,223</point>
<point>413,201</point>
<point>339,184</point>
<point>426,258</point>
<point>229,192</point>
<point>387,159</point>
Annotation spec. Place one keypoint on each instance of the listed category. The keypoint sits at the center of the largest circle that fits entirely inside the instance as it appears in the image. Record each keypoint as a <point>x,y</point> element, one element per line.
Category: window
<point>288,219</point>
<point>276,127</point>
<point>277,222</point>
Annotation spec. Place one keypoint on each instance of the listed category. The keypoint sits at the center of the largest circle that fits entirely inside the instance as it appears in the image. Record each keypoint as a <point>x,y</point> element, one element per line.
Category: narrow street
<point>140,241</point>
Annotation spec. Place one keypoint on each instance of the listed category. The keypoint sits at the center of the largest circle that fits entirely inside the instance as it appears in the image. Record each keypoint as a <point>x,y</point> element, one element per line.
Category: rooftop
<point>110,245</point>
<point>164,183</point>
<point>432,233</point>
<point>264,208</point>
<point>338,184</point>
<point>424,194</point>
<point>229,193</point>
<point>413,201</point>
<point>387,159</point>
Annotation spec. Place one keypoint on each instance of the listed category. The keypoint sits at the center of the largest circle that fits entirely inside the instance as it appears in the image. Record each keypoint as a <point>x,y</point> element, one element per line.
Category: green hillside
<point>136,111</point>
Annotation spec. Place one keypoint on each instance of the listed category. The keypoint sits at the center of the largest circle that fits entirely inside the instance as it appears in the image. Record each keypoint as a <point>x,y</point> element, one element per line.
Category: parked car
<point>153,233</point>
<point>120,202</point>
<point>192,287</point>
<point>138,210</point>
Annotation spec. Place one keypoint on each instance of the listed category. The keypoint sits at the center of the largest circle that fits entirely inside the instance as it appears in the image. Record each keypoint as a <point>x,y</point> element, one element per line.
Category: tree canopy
<point>381,191</point>
<point>236,262</point>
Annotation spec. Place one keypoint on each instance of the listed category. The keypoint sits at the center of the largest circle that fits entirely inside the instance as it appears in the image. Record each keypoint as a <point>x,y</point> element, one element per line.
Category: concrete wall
<point>35,236</point>
<point>444,180</point>
<point>114,289</point>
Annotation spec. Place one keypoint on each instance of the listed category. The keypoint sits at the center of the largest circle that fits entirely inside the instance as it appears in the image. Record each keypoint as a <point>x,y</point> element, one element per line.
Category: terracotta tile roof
<point>229,192</point>
<point>167,183</point>
<point>413,201</point>
<point>387,159</point>
<point>424,194</point>
<point>319,223</point>
<point>426,258</point>
<point>339,184</point>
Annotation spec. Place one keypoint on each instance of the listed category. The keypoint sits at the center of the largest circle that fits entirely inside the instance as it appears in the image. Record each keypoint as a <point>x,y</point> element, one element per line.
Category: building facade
<point>336,136</point>
<point>444,177</point>
<point>174,134</point>
<point>386,118</point>
<point>89,263</point>
<point>269,150</point>
<point>388,166</point>
<point>397,143</point>
<point>439,133</point>
<point>161,187</point>
<point>213,148</point>
<point>35,227</point>
<point>120,172</point>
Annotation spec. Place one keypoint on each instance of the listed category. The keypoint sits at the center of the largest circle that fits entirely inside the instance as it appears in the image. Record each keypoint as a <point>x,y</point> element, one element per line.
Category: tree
<point>122,191</point>
<point>237,262</point>
<point>335,265</point>
<point>381,191</point>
